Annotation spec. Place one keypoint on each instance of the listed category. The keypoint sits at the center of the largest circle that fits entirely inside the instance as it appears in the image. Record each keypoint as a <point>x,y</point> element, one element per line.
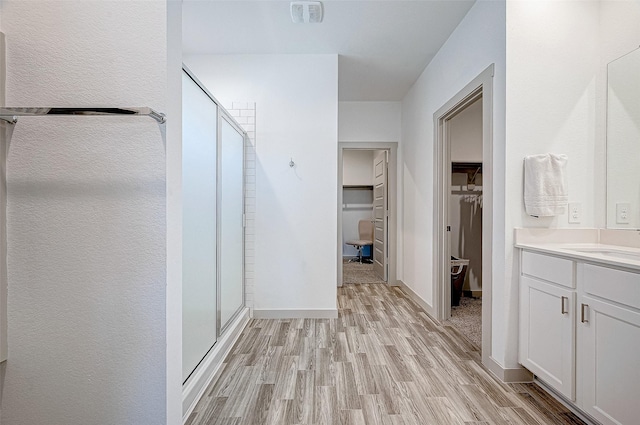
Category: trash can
<point>459,268</point>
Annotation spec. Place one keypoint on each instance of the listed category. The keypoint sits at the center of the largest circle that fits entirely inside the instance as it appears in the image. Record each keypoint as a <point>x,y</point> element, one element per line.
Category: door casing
<point>480,87</point>
<point>392,148</point>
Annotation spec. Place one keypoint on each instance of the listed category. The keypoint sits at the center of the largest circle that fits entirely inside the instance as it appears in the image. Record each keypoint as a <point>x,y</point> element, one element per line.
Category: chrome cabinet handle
<point>562,300</point>
<point>583,318</point>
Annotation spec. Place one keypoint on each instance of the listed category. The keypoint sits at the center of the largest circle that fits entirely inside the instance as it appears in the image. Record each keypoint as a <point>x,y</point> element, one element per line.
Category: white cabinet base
<point>547,333</point>
<point>610,354</point>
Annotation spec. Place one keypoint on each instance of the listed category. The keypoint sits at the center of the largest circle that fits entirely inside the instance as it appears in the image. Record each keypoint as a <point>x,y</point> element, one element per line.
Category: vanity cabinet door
<point>547,333</point>
<point>609,351</point>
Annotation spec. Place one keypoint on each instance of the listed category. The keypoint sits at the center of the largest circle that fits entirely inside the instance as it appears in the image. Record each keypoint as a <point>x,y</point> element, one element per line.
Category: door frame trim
<point>392,148</point>
<point>480,86</point>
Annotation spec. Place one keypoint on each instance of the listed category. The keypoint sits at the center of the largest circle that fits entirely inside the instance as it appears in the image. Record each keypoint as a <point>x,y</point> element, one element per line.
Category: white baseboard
<point>194,388</point>
<point>508,375</point>
<point>285,313</point>
<point>417,299</point>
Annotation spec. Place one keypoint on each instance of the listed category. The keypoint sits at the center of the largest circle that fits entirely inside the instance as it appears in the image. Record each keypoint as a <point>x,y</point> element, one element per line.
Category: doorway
<point>367,211</point>
<point>465,177</point>
<point>465,220</point>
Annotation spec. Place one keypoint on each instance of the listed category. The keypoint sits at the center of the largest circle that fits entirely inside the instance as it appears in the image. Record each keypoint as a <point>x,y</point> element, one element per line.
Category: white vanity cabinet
<point>580,332</point>
<point>547,320</point>
<point>609,344</point>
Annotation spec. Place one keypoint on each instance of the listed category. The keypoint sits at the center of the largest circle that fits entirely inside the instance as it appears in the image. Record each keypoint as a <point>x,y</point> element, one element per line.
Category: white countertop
<point>608,255</point>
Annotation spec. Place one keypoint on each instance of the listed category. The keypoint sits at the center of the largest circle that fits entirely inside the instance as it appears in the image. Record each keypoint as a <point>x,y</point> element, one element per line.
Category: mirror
<point>623,142</point>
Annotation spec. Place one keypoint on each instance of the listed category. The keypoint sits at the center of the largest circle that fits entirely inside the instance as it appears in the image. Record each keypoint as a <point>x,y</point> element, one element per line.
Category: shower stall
<point>213,225</point>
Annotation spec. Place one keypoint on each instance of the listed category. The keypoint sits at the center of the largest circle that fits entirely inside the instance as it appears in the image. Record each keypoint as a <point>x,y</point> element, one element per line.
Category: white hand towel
<point>545,184</point>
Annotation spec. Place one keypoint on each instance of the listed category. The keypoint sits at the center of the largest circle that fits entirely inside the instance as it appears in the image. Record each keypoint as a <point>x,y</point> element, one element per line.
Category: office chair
<point>365,235</point>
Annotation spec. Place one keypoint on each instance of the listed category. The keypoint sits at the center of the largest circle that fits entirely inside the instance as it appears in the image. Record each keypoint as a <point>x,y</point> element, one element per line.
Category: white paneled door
<point>381,216</point>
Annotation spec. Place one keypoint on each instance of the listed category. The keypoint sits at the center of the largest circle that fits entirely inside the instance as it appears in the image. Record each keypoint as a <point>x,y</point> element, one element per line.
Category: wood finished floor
<point>383,361</point>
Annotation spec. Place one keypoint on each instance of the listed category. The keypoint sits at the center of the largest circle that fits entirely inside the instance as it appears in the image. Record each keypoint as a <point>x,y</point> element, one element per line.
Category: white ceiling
<point>383,45</point>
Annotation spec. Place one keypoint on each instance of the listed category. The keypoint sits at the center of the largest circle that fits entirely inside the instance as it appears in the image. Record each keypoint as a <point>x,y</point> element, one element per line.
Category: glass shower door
<point>231,221</point>
<point>199,167</point>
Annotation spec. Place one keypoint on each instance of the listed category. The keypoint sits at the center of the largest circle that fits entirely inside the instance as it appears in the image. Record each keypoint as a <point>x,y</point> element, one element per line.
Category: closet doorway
<point>366,213</point>
<point>463,211</point>
<point>465,221</point>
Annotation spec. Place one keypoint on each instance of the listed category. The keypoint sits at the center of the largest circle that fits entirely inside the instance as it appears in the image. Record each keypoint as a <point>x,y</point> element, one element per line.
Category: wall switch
<point>623,213</point>
<point>575,212</point>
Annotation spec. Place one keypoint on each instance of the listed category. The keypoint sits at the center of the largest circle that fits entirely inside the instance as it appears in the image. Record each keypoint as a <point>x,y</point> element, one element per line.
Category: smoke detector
<point>306,12</point>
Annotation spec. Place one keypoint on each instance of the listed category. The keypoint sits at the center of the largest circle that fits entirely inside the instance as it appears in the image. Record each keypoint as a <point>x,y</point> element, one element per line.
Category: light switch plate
<point>575,212</point>
<point>623,213</point>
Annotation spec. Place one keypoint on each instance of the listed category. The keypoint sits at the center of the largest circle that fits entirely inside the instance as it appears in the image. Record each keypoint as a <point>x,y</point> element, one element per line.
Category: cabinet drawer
<point>549,268</point>
<point>611,284</point>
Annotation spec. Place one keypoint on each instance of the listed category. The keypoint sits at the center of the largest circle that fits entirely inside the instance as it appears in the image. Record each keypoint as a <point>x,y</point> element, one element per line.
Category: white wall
<point>295,213</point>
<point>86,216</point>
<point>478,42</point>
<point>356,168</point>
<point>369,121</point>
<point>552,62</point>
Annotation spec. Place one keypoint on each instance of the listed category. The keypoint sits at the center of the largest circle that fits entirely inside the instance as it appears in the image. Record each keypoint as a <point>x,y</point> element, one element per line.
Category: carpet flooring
<point>359,273</point>
<point>467,319</point>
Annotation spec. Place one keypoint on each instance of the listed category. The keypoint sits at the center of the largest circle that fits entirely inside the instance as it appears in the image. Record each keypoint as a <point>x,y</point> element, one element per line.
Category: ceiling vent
<point>306,12</point>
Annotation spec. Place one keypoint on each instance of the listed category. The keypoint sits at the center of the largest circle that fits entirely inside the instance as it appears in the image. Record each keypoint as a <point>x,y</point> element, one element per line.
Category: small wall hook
<point>291,163</point>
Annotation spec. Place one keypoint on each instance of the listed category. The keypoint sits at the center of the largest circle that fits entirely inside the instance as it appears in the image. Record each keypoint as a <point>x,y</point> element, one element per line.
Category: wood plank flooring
<point>383,361</point>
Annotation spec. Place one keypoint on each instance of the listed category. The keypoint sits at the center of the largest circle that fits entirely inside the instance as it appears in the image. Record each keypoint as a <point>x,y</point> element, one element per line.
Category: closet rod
<point>10,114</point>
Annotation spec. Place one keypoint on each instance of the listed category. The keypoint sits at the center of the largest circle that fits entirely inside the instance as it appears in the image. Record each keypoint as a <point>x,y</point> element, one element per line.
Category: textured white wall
<point>476,43</point>
<point>86,216</point>
<point>173,159</point>
<point>295,213</point>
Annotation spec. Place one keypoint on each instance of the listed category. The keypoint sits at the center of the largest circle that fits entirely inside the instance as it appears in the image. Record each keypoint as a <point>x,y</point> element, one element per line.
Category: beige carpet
<point>359,273</point>
<point>467,319</point>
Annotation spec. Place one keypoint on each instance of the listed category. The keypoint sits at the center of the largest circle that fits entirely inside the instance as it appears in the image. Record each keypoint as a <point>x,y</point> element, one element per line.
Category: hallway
<point>383,361</point>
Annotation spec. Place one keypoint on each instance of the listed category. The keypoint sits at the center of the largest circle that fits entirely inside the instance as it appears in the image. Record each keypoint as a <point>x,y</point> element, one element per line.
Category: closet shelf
<point>11,114</point>
<point>466,192</point>
<point>357,186</point>
<point>466,167</point>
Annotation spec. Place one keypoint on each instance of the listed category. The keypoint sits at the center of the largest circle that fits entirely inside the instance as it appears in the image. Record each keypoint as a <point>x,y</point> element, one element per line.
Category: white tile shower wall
<point>245,114</point>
